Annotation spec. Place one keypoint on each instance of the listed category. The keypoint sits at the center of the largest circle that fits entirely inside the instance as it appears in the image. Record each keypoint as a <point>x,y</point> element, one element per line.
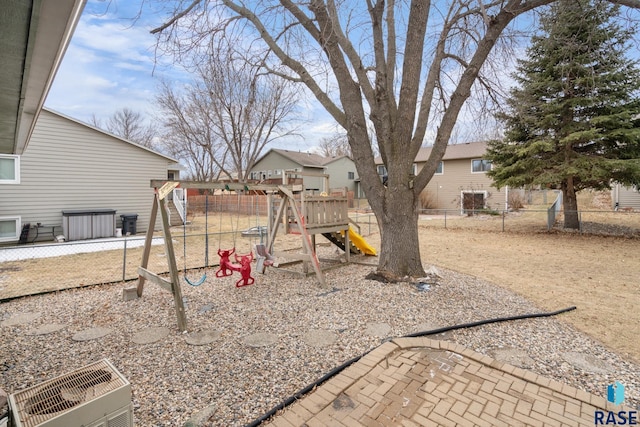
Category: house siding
<point>338,171</point>
<point>274,160</point>
<point>70,166</point>
<point>445,189</point>
<point>627,197</point>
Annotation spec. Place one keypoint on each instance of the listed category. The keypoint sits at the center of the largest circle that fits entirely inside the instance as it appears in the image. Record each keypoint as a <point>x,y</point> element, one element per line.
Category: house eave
<point>35,35</point>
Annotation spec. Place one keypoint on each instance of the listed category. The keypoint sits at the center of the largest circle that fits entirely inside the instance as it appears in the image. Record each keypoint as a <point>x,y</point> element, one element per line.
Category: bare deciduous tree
<point>337,145</point>
<point>188,132</point>
<point>405,67</point>
<point>128,124</point>
<point>222,121</point>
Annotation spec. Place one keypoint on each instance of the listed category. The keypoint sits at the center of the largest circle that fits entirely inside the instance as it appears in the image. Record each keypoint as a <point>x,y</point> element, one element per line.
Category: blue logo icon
<point>615,393</point>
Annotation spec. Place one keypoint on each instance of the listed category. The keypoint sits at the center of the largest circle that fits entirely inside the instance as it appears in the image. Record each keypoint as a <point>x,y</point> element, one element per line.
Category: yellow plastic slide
<point>360,243</point>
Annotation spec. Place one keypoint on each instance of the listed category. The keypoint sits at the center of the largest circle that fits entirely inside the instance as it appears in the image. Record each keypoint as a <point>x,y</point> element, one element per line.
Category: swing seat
<point>198,283</point>
<point>225,264</point>
<point>245,270</point>
<point>264,258</point>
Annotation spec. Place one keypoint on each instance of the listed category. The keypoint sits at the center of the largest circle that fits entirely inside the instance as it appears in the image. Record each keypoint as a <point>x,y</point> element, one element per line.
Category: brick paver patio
<point>423,382</point>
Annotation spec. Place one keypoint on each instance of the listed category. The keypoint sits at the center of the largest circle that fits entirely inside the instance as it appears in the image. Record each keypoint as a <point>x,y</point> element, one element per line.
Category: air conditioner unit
<point>96,395</point>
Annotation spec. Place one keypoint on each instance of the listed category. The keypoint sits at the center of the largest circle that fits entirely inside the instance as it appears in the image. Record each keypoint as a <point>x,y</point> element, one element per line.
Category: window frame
<point>16,161</point>
<point>18,221</point>
<point>441,167</point>
<point>482,162</point>
<point>485,202</point>
<point>351,175</point>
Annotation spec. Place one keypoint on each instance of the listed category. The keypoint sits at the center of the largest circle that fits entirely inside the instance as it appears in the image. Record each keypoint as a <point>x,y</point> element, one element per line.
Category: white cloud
<point>108,65</point>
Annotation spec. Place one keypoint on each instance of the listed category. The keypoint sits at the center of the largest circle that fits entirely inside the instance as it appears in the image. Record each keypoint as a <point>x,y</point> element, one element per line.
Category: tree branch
<point>175,18</point>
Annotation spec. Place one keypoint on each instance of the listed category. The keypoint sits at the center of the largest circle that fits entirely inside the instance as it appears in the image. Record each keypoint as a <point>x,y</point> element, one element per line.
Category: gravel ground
<point>172,380</point>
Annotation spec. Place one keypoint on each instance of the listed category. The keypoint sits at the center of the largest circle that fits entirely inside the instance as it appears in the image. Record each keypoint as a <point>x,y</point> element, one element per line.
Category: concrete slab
<point>260,339</point>
<point>202,337</point>
<point>91,334</point>
<point>20,318</point>
<point>380,330</point>
<point>150,335</point>
<point>320,338</point>
<point>46,329</point>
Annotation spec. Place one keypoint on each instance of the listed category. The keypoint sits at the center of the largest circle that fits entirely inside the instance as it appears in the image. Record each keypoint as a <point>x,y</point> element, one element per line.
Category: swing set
<point>226,267</point>
<point>309,217</point>
<point>243,265</point>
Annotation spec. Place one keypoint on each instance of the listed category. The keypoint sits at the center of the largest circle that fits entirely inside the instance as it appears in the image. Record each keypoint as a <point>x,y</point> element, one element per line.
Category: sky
<point>110,65</point>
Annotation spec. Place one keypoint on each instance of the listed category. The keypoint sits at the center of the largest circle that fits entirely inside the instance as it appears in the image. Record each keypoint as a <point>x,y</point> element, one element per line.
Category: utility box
<point>129,223</point>
<point>88,224</point>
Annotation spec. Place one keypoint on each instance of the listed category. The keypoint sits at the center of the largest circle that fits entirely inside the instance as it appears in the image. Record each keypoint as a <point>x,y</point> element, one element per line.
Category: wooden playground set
<point>290,211</point>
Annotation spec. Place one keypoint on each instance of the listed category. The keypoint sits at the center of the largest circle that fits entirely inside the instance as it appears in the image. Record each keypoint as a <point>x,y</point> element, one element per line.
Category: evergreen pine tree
<point>574,121</point>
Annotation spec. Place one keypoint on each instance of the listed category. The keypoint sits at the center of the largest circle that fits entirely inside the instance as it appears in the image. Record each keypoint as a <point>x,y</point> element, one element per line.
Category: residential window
<point>480,165</point>
<point>277,172</point>
<point>440,169</point>
<point>351,175</point>
<point>9,228</point>
<point>9,169</point>
<point>473,201</point>
<point>382,170</point>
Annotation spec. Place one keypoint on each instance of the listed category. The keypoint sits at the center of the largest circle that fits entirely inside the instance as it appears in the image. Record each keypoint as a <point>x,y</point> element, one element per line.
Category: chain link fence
<point>37,268</point>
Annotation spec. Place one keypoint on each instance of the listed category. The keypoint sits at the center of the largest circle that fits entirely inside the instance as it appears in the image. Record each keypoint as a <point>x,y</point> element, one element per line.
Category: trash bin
<point>129,223</point>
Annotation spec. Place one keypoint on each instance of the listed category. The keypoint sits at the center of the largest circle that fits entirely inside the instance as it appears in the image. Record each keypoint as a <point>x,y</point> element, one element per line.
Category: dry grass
<point>598,273</point>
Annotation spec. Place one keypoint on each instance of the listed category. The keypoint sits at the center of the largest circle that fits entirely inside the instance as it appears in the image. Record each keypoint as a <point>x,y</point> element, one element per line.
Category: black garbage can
<point>129,223</point>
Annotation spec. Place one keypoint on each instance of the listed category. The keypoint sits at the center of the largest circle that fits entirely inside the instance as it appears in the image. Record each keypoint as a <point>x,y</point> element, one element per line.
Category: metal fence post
<point>580,220</point>
<point>124,261</point>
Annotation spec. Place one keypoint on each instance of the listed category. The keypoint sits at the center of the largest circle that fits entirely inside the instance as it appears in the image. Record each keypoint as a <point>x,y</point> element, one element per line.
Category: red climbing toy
<point>244,267</point>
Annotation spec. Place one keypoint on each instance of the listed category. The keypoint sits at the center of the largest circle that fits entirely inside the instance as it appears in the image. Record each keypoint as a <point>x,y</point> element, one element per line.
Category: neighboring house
<point>461,176</point>
<point>71,166</point>
<point>271,166</point>
<point>625,198</point>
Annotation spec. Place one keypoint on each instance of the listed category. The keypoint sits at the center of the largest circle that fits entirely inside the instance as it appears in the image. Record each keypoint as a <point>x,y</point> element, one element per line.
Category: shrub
<point>516,201</point>
<point>426,200</point>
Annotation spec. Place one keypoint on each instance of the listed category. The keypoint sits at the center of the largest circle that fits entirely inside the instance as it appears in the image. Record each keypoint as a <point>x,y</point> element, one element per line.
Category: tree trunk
<point>400,246</point>
<point>570,204</point>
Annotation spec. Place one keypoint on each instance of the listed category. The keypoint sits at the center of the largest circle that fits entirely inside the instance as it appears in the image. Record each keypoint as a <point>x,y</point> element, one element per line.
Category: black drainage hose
<point>350,362</point>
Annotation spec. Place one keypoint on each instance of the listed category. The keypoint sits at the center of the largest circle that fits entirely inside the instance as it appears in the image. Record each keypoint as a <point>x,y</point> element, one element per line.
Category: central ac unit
<point>96,395</point>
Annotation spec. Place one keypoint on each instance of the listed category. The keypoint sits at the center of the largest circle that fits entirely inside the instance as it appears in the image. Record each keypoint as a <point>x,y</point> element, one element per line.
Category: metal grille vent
<point>51,398</point>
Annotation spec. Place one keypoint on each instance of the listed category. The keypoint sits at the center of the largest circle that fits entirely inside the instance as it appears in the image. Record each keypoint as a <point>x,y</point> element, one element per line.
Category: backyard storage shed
<point>70,166</point>
<point>88,224</point>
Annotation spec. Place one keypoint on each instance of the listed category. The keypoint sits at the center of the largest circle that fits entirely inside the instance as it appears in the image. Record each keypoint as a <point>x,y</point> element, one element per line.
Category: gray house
<point>71,171</point>
<point>271,166</point>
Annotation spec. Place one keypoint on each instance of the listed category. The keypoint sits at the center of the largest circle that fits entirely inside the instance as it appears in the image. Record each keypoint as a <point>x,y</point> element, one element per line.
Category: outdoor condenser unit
<point>96,395</point>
